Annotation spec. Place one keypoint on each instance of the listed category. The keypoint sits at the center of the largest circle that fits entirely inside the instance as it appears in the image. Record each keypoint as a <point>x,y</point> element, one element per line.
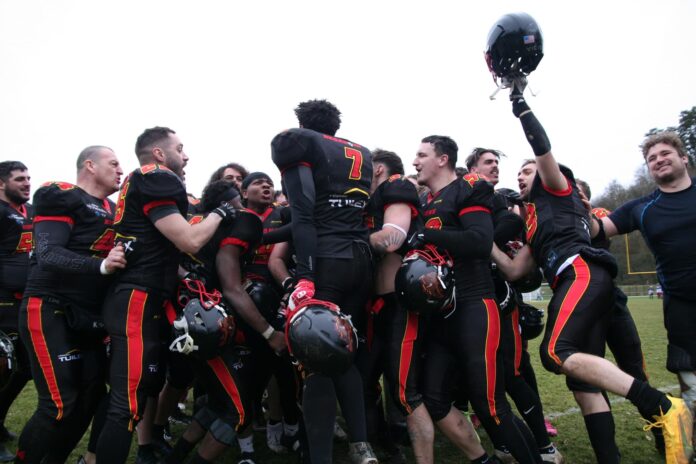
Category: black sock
<point>649,401</point>
<point>181,449</point>
<point>197,459</point>
<point>145,450</point>
<point>600,428</point>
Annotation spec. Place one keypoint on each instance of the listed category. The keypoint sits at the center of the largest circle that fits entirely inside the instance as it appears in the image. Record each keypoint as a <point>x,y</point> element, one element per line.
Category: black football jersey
<point>342,174</point>
<point>256,267</point>
<point>147,194</point>
<point>442,211</point>
<point>15,246</point>
<point>396,189</point>
<point>91,235</point>
<point>557,224</point>
<point>245,232</point>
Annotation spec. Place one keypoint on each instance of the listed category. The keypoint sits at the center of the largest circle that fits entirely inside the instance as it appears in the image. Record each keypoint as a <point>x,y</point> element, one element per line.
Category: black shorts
<point>680,322</point>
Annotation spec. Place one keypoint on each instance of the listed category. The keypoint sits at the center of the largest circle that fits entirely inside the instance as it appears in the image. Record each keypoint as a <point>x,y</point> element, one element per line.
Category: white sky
<point>226,76</point>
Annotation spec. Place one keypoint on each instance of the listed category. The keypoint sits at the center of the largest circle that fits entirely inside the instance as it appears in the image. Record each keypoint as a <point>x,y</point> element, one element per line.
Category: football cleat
<point>677,429</point>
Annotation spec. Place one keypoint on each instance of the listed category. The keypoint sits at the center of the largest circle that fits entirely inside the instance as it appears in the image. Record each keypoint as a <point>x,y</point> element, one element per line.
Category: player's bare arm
<point>514,269</point>
<point>186,237</point>
<point>397,221</point>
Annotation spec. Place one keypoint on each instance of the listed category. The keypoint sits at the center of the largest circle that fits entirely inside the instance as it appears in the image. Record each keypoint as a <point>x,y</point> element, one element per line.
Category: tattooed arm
<point>397,221</point>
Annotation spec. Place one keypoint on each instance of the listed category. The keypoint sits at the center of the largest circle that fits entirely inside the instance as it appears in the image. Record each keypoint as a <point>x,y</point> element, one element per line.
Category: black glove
<point>517,86</point>
<point>289,284</point>
<point>416,241</point>
<point>513,198</point>
<point>227,212</point>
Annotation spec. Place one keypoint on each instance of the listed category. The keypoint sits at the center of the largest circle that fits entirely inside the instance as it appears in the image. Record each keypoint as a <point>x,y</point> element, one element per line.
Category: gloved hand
<point>304,290</point>
<point>227,212</point>
<point>517,86</point>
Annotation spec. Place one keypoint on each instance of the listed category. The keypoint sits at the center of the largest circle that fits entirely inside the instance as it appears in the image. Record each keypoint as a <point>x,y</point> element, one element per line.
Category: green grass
<point>636,445</point>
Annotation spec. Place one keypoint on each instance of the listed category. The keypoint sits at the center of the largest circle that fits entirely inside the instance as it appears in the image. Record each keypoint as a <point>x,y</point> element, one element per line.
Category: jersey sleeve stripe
<point>154,204</point>
<point>234,241</point>
<point>474,209</point>
<point>560,193</point>
<point>66,219</point>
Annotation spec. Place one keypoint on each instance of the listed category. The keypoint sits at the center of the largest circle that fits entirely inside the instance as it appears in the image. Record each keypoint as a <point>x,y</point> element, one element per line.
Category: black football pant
<point>347,283</point>
<point>69,373</point>
<point>135,319</point>
<point>468,342</point>
<point>9,312</point>
<point>394,348</point>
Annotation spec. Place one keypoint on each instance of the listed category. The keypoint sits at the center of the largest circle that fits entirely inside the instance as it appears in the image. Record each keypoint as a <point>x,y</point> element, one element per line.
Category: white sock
<point>291,430</point>
<point>246,444</point>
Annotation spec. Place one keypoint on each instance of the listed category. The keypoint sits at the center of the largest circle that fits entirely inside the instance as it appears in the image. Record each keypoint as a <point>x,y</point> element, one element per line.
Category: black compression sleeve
<point>300,186</point>
<point>536,135</point>
<point>51,239</point>
<point>473,240</point>
<point>508,226</point>
<point>281,234</point>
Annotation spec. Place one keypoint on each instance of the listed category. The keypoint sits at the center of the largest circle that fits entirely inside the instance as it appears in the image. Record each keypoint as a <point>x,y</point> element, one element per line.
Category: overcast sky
<point>227,75</point>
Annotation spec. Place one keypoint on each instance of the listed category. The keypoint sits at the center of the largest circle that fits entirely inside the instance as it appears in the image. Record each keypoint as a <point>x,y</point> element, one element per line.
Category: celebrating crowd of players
<point>116,309</point>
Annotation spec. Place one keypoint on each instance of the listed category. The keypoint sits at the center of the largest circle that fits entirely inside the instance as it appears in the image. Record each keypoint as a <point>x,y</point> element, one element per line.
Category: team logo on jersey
<point>370,222</point>
<point>394,177</point>
<point>471,178</point>
<point>196,219</point>
<point>530,221</point>
<point>600,212</point>
<point>433,223</point>
<point>148,168</point>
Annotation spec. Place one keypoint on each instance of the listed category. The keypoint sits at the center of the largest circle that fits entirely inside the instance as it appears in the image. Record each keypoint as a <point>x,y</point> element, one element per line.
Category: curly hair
<point>319,115</point>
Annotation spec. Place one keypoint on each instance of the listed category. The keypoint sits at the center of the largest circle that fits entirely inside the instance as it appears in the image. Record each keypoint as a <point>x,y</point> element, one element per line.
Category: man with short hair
<point>457,215</point>
<point>15,244</point>
<point>558,239</point>
<point>666,219</point>
<point>150,222</point>
<point>60,319</point>
<point>328,183</point>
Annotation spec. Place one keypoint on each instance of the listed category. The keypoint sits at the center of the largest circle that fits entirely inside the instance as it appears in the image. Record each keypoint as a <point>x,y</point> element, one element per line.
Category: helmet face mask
<point>8,362</point>
<point>425,281</point>
<point>514,47</point>
<point>202,331</point>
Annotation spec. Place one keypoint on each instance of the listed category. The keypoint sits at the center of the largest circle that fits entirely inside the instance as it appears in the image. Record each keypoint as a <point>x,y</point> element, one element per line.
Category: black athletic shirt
<point>396,189</point>
<point>328,199</point>
<point>668,224</point>
<point>557,224</point>
<point>458,219</point>
<point>15,246</point>
<point>256,266</point>
<point>244,232</point>
<point>149,193</point>
<point>73,232</point>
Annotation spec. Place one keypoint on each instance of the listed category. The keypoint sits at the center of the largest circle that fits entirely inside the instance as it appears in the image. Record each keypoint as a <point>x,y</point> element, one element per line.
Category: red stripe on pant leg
<point>570,301</point>
<point>406,355</point>
<point>134,342</point>
<point>35,325</point>
<point>518,339</point>
<point>223,374</point>
<point>492,342</point>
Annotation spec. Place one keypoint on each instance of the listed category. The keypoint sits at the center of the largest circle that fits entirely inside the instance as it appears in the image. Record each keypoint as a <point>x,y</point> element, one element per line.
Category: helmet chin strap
<point>184,342</point>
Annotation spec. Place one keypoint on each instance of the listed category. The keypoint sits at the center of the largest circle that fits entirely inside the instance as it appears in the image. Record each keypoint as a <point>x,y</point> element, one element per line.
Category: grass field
<point>636,445</point>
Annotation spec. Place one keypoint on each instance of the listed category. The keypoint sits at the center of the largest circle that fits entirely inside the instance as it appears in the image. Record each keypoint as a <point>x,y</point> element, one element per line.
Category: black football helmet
<point>515,46</point>
<point>530,282</point>
<point>8,361</point>
<point>202,331</point>
<point>531,321</point>
<point>425,281</point>
<point>265,298</point>
<point>322,338</point>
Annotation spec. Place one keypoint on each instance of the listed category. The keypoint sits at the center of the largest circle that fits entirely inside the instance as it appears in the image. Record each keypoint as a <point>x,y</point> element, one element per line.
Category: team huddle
<point>385,295</point>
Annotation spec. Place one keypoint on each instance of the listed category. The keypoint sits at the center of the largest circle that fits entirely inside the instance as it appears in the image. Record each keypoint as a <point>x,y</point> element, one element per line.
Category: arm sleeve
<point>161,191</point>
<point>300,186</point>
<point>623,217</point>
<point>51,253</point>
<point>473,240</point>
<point>281,234</point>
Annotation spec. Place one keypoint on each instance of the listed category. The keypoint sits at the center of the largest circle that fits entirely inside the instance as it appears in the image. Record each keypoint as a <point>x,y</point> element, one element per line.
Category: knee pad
<point>678,359</point>
<point>205,417</point>
<point>223,431</point>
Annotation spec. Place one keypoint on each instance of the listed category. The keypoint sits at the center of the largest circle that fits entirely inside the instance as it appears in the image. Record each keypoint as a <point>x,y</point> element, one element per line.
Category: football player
<point>16,216</point>
<point>457,215</point>
<point>60,319</point>
<point>558,238</point>
<point>150,222</point>
<point>328,183</point>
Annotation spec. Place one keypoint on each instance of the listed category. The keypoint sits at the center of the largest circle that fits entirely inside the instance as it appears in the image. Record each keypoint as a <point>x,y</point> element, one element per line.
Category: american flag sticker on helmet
<point>528,39</point>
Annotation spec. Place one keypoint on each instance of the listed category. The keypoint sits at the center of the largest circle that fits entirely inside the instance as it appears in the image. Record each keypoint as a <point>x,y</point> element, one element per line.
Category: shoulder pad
<point>56,199</point>
<point>153,167</point>
<point>475,190</point>
<point>397,189</point>
<point>158,184</point>
<point>600,212</point>
<point>293,147</point>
